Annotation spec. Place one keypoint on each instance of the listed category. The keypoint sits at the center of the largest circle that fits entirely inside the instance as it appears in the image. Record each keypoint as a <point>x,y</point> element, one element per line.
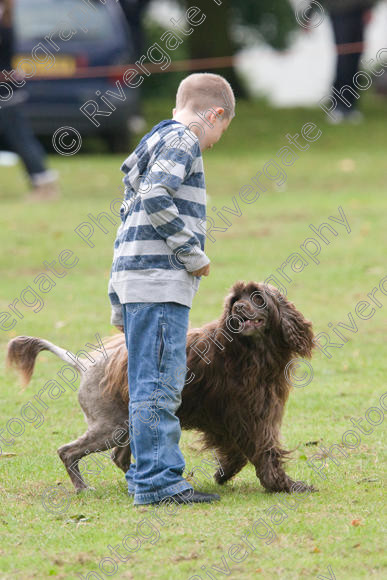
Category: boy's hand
<point>120,328</point>
<point>202,271</point>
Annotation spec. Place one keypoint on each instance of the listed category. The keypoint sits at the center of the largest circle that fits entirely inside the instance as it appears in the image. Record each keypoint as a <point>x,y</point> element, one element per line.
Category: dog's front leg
<point>270,472</point>
<point>268,463</point>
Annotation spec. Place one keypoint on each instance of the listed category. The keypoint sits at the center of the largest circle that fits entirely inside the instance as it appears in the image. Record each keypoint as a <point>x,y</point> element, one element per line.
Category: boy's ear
<point>214,114</point>
<point>173,112</point>
<point>219,111</point>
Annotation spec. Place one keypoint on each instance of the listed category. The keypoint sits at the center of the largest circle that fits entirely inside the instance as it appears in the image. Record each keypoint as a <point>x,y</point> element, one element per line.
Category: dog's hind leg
<point>92,441</point>
<point>121,457</point>
<point>232,461</point>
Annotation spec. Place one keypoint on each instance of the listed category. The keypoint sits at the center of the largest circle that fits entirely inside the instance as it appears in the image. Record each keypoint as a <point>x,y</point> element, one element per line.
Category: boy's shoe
<point>187,497</point>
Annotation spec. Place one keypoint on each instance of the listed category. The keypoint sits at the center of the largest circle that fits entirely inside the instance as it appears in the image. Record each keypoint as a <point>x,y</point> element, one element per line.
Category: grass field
<point>340,526</point>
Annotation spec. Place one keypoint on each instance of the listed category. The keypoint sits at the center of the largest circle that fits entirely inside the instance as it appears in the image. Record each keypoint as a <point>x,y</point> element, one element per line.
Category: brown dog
<point>235,391</point>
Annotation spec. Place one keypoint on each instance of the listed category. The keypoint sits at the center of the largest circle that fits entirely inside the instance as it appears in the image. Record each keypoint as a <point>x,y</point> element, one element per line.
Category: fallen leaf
<point>58,562</point>
<point>316,550</point>
<point>78,518</point>
<point>8,454</point>
<point>365,230</point>
<point>312,443</point>
<point>374,270</point>
<point>356,523</point>
<point>347,165</point>
<point>356,546</point>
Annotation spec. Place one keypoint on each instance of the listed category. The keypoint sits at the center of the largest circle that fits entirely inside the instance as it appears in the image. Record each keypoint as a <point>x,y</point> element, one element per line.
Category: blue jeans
<point>155,334</point>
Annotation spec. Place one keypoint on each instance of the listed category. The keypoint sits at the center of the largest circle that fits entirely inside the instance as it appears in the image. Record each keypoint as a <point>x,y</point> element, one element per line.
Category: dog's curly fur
<point>236,400</point>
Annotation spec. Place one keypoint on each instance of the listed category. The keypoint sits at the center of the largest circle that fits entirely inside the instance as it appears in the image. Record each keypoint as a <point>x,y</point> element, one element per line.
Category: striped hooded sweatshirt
<point>161,236</point>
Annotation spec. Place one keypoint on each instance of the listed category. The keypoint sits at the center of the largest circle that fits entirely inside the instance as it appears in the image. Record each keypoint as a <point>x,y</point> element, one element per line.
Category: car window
<point>36,18</point>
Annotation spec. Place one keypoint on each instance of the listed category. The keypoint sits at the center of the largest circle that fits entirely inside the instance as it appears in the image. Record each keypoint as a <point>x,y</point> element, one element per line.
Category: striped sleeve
<point>116,316</point>
<point>168,173</point>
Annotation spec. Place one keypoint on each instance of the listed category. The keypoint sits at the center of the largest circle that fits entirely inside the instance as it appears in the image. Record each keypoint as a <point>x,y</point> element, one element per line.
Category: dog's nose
<point>243,306</point>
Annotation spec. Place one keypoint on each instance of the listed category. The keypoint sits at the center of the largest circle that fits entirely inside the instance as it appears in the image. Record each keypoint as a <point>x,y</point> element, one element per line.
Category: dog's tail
<point>23,350</point>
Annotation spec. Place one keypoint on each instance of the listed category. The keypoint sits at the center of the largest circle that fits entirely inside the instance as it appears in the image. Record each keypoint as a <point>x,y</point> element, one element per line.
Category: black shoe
<point>191,496</point>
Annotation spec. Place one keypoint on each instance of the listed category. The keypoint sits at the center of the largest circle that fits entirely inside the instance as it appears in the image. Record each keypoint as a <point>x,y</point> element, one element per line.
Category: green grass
<point>346,167</point>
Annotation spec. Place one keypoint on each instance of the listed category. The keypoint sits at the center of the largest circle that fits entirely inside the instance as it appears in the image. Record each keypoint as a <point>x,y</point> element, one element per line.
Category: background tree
<point>234,24</point>
<point>228,27</point>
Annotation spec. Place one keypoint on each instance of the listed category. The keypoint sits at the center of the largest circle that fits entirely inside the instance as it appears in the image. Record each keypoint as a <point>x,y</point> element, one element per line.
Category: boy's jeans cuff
<point>147,498</point>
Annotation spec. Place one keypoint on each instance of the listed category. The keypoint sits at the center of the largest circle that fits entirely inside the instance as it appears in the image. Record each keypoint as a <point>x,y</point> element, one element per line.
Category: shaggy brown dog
<point>235,390</point>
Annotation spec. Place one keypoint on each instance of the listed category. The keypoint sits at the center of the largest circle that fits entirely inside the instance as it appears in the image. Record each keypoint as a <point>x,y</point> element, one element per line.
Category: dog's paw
<point>220,478</point>
<point>302,487</point>
<point>287,485</point>
<point>84,489</point>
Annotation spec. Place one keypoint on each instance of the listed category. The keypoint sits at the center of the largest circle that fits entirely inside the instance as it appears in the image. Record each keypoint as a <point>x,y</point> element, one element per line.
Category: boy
<point>158,260</point>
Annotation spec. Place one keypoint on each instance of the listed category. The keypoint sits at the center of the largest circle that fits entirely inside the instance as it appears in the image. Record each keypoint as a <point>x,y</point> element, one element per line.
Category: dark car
<point>79,35</point>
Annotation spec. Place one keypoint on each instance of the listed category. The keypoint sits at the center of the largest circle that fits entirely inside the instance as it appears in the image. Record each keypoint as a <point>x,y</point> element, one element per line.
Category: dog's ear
<point>296,330</point>
<point>234,292</point>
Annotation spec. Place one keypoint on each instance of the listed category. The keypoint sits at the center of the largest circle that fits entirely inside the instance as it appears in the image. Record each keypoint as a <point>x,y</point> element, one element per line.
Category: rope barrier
<point>350,48</point>
<point>176,66</point>
<point>119,70</point>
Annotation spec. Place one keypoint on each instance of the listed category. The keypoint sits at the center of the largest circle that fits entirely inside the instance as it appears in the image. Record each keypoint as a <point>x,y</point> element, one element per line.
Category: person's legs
<point>17,135</point>
<point>348,28</point>
<point>156,341</point>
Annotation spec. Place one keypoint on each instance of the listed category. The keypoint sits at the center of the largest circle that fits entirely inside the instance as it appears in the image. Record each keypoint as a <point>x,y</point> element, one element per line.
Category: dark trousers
<point>16,135</point>
<point>348,27</point>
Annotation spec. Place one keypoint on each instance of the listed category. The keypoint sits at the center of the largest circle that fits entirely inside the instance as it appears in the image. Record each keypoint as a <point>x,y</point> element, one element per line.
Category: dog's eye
<point>258,299</point>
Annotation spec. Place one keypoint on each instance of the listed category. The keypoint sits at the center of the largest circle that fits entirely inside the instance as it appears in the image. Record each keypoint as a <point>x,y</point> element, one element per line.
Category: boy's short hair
<point>201,91</point>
